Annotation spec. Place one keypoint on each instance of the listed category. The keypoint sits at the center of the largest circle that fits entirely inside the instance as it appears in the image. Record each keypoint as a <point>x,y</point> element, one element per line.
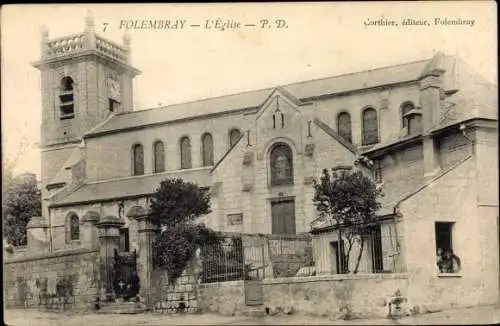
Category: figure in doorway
<point>133,286</point>
<point>448,262</point>
<point>440,260</point>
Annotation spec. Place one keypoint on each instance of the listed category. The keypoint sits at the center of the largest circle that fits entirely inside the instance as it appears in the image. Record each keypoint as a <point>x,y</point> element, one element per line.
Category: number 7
<point>105,26</point>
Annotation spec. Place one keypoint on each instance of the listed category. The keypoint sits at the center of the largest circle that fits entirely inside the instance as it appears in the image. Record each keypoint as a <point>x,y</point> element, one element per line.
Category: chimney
<point>431,95</point>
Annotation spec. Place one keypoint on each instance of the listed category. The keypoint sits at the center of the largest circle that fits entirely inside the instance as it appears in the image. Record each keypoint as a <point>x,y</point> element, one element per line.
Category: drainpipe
<point>50,230</point>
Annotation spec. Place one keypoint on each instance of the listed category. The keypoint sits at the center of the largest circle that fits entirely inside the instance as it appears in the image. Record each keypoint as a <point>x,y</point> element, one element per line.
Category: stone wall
<point>110,156</point>
<point>365,295</point>
<point>59,220</point>
<point>386,102</point>
<point>181,296</point>
<point>33,278</point>
<point>227,298</point>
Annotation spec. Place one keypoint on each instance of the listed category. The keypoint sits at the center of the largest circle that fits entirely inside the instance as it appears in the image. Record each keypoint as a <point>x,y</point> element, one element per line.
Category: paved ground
<point>19,317</point>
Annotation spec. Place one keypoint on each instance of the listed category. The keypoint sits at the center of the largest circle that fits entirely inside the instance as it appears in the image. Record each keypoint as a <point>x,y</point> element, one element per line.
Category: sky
<point>319,40</point>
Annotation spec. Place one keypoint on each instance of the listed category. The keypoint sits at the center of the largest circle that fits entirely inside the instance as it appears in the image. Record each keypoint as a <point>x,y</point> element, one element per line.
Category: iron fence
<point>337,251</point>
<point>376,249</point>
<point>252,257</point>
<point>223,261</point>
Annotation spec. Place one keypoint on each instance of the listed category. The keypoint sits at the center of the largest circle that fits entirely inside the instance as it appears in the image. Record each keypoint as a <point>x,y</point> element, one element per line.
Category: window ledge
<point>449,275</point>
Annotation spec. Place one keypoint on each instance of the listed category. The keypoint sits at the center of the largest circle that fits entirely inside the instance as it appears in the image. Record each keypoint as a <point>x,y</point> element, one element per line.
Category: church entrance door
<point>283,217</point>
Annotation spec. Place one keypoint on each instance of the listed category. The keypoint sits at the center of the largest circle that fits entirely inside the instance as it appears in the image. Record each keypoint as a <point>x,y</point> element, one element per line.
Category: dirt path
<point>20,317</point>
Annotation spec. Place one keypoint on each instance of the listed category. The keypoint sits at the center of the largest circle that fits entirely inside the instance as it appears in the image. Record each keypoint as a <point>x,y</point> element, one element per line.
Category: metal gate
<point>254,295</point>
<point>125,279</point>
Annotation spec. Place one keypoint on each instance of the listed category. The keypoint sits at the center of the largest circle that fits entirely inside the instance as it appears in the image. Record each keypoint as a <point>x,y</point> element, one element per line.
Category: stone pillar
<point>37,238</point>
<point>90,36</point>
<point>127,47</point>
<point>147,233</point>
<point>431,89</point>
<point>45,42</point>
<point>89,235</point>
<point>109,240</point>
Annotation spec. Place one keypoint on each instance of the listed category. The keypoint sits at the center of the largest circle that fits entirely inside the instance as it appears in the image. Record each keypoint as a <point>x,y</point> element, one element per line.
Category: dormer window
<point>411,118</point>
<point>406,107</point>
<point>66,98</point>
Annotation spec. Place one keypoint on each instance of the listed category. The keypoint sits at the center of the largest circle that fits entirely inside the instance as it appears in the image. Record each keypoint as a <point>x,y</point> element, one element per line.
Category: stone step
<point>254,311</point>
<point>120,308</point>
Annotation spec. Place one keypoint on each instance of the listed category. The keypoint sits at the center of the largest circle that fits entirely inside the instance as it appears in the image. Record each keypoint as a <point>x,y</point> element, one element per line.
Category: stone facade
<point>432,173</point>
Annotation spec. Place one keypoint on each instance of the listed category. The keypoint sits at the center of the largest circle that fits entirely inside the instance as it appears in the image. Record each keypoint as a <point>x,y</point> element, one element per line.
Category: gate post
<point>109,240</point>
<point>147,233</point>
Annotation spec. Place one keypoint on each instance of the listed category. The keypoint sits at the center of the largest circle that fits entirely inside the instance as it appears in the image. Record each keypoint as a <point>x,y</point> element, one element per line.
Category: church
<point>426,131</point>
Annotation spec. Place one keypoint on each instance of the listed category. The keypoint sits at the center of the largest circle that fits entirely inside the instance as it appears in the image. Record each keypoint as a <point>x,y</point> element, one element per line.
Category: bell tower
<point>84,79</point>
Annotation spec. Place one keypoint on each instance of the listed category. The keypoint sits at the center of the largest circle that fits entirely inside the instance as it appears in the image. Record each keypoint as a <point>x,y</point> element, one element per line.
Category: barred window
<point>344,126</point>
<point>185,145</point>
<point>370,127</point>
<point>159,157</point>
<point>281,165</point>
<point>138,159</point>
<point>207,144</point>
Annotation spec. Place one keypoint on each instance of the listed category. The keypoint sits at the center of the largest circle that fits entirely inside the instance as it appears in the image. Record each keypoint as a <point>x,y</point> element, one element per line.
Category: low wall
<point>366,295</point>
<point>32,281</point>
<point>178,297</point>
<point>227,298</point>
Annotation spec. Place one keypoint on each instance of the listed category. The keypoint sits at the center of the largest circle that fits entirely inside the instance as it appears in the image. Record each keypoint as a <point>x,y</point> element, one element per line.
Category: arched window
<point>138,159</point>
<point>159,157</point>
<point>66,104</point>
<point>185,145</point>
<point>281,161</point>
<point>234,136</point>
<point>74,228</point>
<point>344,126</point>
<point>67,84</point>
<point>370,127</point>
<point>207,149</point>
<point>405,108</point>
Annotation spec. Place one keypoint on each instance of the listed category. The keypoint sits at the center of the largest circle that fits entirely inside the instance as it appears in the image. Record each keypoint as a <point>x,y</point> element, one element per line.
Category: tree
<point>23,200</point>
<point>175,207</point>
<point>349,200</point>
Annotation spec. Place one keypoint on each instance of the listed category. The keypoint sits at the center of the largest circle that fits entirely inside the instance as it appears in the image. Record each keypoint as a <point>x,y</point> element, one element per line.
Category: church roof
<point>130,187</point>
<point>253,99</point>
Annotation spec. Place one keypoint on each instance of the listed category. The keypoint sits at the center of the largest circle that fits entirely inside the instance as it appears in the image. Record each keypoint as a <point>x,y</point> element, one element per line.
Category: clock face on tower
<point>114,90</point>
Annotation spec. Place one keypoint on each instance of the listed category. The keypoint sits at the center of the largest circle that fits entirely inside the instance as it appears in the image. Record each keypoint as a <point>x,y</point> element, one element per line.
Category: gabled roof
<point>253,99</point>
<point>129,187</point>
